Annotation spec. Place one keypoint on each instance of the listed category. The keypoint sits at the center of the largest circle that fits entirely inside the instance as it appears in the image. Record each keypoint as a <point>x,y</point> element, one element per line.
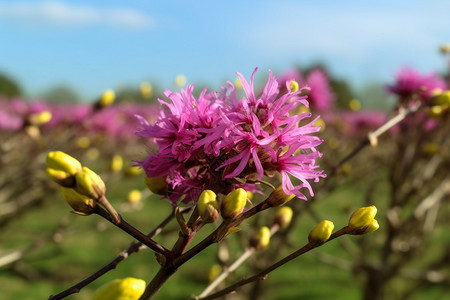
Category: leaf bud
<point>283,216</point>
<point>62,168</point>
<point>262,239</point>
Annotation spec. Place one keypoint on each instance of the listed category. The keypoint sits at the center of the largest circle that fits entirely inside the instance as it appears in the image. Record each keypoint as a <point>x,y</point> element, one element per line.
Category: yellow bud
<point>81,204</point>
<point>445,48</point>
<point>293,85</point>
<point>238,84</point>
<point>440,98</point>
<point>207,205</point>
<point>156,185</point>
<point>146,90</point>
<point>321,233</point>
<point>430,148</point>
<point>373,226</point>
<point>83,142</point>
<point>41,118</point>
<point>283,216</point>
<point>121,289</point>
<point>89,183</point>
<point>62,168</point>
<point>133,171</point>
<point>214,272</point>
<point>93,153</point>
<point>180,80</point>
<point>107,98</point>
<point>134,196</point>
<point>278,197</point>
<point>61,161</point>
<point>116,163</point>
<point>262,239</point>
<point>354,105</point>
<point>249,195</point>
<point>234,203</point>
<point>321,123</point>
<point>363,219</point>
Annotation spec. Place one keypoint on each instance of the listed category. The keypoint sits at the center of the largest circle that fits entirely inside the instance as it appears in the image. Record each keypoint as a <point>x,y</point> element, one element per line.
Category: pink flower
<point>409,81</point>
<point>218,141</point>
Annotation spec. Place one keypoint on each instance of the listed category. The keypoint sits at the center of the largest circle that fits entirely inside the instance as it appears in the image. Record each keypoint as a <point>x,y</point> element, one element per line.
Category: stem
<point>134,247</point>
<point>144,239</point>
<point>263,274</point>
<point>372,137</point>
<point>155,285</point>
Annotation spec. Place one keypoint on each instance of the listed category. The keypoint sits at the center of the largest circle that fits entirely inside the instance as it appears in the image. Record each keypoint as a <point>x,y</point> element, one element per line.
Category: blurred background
<point>80,48</point>
<point>57,58</point>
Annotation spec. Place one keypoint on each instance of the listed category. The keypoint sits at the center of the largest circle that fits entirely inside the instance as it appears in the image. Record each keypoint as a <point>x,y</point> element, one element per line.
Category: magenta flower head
<point>218,142</point>
<point>408,81</point>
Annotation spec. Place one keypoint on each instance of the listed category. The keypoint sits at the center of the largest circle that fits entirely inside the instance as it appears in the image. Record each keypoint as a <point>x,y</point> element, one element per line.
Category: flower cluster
<point>218,142</point>
<point>409,82</point>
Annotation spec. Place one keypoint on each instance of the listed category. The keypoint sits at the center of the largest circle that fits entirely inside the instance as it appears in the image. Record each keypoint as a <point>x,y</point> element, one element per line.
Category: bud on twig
<point>128,288</point>
<point>62,168</point>
<point>234,203</point>
<point>283,216</point>
<point>208,208</point>
<point>157,185</point>
<point>89,183</point>
<point>262,239</point>
<point>278,197</point>
<point>362,220</point>
<point>106,99</point>
<point>321,233</point>
<point>116,163</point>
<point>81,204</point>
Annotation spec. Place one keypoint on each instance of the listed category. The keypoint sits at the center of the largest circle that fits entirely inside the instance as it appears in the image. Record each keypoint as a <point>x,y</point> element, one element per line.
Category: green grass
<point>88,243</point>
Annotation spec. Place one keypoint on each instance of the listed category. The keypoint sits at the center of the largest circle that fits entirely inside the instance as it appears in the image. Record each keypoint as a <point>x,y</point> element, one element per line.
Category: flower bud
<point>373,226</point>
<point>283,216</point>
<point>89,183</point>
<point>81,204</point>
<point>62,168</point>
<point>107,98</point>
<point>120,289</point>
<point>234,203</point>
<point>133,171</point>
<point>116,163</point>
<point>157,185</point>
<point>362,216</point>
<point>321,233</point>
<point>278,197</point>
<point>262,239</point>
<point>214,272</point>
<point>134,196</point>
<point>207,205</point>
<point>146,90</point>
<point>293,85</point>
<point>38,119</point>
<point>440,98</point>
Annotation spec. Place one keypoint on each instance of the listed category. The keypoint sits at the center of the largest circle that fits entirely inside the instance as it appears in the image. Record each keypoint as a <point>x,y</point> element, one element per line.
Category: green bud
<point>321,233</point>
<point>207,205</point>
<point>278,197</point>
<point>234,203</point>
<point>89,183</point>
<point>81,204</point>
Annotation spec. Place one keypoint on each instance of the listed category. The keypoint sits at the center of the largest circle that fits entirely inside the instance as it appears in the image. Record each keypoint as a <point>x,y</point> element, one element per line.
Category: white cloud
<point>61,14</point>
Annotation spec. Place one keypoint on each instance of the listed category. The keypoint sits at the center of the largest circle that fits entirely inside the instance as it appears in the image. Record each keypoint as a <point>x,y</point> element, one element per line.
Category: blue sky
<point>95,45</point>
